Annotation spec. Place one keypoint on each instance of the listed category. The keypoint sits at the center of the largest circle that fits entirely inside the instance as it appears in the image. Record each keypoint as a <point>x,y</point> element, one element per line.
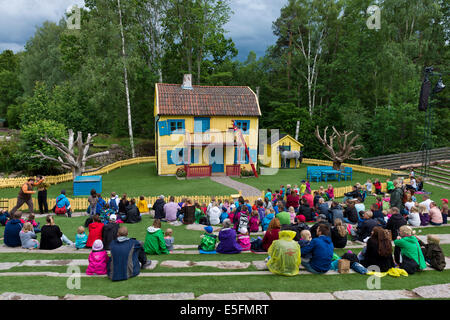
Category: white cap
<point>113,217</point>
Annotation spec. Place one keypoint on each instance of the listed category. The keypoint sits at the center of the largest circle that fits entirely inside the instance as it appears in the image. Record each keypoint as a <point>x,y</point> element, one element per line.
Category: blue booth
<point>82,185</point>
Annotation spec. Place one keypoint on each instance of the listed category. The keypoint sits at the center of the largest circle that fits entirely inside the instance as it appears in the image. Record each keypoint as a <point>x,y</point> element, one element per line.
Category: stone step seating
<point>177,264</point>
<point>440,291</point>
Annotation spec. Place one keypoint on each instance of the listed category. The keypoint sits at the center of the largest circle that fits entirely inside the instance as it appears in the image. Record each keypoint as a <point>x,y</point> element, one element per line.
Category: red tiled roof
<point>206,101</point>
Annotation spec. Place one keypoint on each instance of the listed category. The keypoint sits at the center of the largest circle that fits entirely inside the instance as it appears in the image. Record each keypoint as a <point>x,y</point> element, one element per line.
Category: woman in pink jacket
<point>98,259</point>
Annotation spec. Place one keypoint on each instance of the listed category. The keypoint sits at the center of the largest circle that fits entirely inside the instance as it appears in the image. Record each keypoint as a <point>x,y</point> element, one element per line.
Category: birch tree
<point>125,74</point>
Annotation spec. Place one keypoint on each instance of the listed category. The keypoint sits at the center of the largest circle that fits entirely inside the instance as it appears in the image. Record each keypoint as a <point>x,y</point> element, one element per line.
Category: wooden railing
<point>233,170</point>
<point>18,182</point>
<point>197,171</point>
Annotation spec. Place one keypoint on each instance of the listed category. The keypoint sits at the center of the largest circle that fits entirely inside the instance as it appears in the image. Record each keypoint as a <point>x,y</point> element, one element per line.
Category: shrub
<point>181,173</point>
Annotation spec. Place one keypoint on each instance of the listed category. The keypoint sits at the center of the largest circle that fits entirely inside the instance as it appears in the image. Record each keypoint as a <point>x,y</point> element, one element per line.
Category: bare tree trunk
<point>74,161</point>
<point>130,127</point>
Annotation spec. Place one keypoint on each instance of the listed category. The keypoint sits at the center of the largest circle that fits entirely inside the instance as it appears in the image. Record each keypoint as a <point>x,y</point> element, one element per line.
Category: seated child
<point>303,242</point>
<point>414,217</point>
<point>433,252</point>
<point>169,239</point>
<point>4,216</point>
<point>142,205</point>
<point>254,222</point>
<point>28,237</point>
<point>223,215</point>
<point>154,240</point>
<point>244,239</point>
<point>406,253</point>
<point>424,215</point>
<point>98,259</point>
<point>209,240</point>
<point>80,238</point>
<point>386,201</point>
<point>36,226</point>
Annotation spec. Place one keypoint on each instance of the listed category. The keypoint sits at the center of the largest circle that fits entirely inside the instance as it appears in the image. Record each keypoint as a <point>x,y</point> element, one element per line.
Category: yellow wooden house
<point>271,156</point>
<point>194,128</point>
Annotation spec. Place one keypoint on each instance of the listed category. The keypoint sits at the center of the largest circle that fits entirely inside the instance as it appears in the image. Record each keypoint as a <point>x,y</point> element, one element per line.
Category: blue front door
<point>216,160</point>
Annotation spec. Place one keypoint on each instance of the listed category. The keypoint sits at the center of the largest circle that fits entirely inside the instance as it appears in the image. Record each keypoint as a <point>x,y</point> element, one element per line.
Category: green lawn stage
<point>136,180</point>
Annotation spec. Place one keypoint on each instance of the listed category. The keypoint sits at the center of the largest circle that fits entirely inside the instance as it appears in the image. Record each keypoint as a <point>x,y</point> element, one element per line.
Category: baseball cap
<point>444,200</point>
<point>113,217</point>
<point>209,229</point>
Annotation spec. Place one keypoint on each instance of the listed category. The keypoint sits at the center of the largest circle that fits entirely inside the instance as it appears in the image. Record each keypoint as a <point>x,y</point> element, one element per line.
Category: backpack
<point>62,210</point>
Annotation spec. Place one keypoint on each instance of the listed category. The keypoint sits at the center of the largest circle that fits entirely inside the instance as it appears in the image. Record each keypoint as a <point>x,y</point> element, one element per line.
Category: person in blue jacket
<point>12,230</point>
<point>321,249</point>
<point>62,201</point>
<point>120,266</point>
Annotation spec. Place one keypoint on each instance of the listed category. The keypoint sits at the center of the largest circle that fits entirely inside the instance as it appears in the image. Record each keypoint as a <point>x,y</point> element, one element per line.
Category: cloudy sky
<point>250,26</point>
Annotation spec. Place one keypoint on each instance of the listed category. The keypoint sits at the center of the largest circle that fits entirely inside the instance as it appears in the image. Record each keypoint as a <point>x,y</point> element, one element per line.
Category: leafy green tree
<point>30,138</point>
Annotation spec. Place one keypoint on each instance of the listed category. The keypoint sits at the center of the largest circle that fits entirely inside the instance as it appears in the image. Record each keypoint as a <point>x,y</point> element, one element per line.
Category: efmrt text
<point>227,309</point>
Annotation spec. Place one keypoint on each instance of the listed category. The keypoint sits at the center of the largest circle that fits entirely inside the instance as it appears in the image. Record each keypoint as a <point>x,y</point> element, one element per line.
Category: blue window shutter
<point>163,128</point>
<point>195,155</point>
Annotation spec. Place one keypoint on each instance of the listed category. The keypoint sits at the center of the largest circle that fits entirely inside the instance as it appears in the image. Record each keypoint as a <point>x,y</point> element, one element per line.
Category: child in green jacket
<point>407,246</point>
<point>209,240</point>
<point>154,240</point>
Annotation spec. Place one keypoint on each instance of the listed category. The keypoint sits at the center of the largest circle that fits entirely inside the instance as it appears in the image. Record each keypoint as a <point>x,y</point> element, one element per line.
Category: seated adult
<point>227,237</point>
<point>407,252</point>
<point>354,194</point>
<point>321,219</point>
<point>110,231</point>
<point>336,212</point>
<point>284,255</point>
<point>339,234</point>
<point>51,235</point>
<point>154,240</point>
<point>305,210</point>
<point>324,209</point>
<point>321,249</point>
<point>158,206</point>
<point>292,200</point>
<point>350,213</point>
<point>188,212</point>
<point>100,204</point>
<point>365,229</point>
<point>395,222</point>
<point>359,205</point>
<point>309,198</point>
<point>435,214</point>
<point>132,213</point>
<point>127,257</point>
<point>214,214</point>
<point>284,217</point>
<point>123,204</point>
<point>271,234</point>
<point>13,227</point>
<point>62,204</point>
<point>378,251</point>
<point>171,209</point>
<point>377,213</point>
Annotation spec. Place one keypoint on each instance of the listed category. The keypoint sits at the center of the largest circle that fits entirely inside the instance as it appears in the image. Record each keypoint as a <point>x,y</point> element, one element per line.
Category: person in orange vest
<point>25,194</point>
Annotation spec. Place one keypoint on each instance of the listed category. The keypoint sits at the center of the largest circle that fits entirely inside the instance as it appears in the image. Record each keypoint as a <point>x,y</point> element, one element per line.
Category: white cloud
<point>19,19</point>
<point>250,26</point>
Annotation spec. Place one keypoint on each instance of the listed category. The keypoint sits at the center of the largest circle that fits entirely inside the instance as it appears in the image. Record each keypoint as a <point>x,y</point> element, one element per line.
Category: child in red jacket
<point>95,231</point>
<point>98,259</point>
